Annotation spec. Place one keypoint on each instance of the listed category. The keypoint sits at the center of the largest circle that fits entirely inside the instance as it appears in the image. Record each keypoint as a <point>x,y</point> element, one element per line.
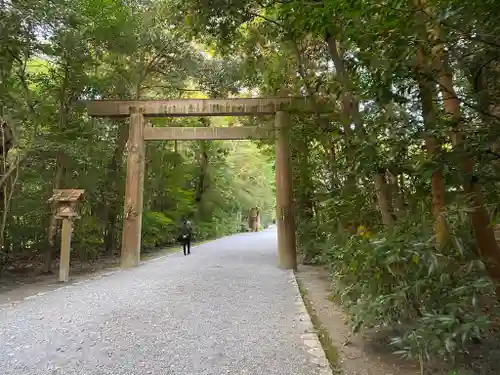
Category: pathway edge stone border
<point>309,337</point>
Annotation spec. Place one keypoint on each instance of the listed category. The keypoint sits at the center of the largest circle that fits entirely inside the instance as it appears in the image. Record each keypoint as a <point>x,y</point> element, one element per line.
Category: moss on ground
<point>331,352</point>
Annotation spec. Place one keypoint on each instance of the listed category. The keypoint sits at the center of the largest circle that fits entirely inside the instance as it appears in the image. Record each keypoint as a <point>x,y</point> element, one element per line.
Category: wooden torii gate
<point>140,132</point>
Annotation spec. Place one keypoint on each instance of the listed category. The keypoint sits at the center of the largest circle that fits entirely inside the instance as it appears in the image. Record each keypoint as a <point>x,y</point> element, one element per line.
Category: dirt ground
<point>354,357</point>
<point>371,354</point>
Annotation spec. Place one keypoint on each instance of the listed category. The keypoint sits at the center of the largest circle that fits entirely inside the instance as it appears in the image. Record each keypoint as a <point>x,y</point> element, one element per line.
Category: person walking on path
<point>186,236</point>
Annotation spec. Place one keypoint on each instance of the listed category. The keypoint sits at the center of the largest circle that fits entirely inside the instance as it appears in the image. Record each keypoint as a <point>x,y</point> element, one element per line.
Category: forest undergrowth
<point>434,306</point>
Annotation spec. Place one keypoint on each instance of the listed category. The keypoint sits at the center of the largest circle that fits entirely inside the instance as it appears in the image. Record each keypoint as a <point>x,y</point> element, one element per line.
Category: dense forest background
<point>396,190</point>
<point>55,55</point>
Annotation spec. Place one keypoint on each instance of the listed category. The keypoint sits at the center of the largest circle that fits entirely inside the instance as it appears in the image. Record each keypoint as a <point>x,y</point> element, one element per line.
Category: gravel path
<point>225,309</point>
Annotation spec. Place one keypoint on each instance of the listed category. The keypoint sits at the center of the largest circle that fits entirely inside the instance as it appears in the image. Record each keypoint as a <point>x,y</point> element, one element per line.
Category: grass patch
<point>331,352</point>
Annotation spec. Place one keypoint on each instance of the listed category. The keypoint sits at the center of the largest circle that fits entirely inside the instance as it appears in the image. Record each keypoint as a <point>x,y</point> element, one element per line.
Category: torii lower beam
<point>192,134</point>
<point>139,133</point>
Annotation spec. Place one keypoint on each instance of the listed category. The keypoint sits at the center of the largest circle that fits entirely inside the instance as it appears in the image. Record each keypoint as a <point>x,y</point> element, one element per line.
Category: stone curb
<point>309,337</point>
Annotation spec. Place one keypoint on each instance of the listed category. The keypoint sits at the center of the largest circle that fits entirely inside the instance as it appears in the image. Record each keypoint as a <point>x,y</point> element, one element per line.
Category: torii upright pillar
<point>287,253</point>
<point>132,216</point>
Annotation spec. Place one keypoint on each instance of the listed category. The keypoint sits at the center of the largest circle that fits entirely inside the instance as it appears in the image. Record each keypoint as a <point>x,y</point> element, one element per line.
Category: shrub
<point>399,279</point>
<point>157,229</point>
<point>87,238</point>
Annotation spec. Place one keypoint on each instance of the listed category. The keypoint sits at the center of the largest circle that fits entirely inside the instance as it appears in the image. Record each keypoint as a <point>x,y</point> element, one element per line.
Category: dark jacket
<point>186,231</point>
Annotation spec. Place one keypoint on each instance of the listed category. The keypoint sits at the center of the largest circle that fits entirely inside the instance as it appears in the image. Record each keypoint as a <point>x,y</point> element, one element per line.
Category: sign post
<point>66,201</point>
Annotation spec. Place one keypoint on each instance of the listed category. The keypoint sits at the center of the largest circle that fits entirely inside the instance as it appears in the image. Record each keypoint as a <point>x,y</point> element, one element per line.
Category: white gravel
<point>225,309</point>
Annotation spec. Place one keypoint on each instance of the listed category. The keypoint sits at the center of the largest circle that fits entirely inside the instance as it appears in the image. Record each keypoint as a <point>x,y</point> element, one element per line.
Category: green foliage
<point>87,239</point>
<point>65,52</point>
<point>159,230</point>
<point>399,279</point>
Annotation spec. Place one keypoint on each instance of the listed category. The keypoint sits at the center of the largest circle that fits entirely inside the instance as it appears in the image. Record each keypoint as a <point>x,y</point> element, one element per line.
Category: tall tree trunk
<point>61,165</point>
<point>428,95</point>
<point>397,195</point>
<point>53,224</point>
<point>383,199</point>
<point>328,144</point>
<point>202,176</point>
<point>111,189</point>
<point>483,75</point>
<point>347,108</point>
<point>202,181</point>
<point>332,160</point>
<point>7,142</point>
<point>350,114</point>
<point>305,186</point>
<point>487,244</point>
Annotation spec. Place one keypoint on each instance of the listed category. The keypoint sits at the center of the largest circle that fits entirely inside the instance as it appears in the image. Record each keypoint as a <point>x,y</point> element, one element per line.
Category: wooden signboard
<point>66,201</point>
